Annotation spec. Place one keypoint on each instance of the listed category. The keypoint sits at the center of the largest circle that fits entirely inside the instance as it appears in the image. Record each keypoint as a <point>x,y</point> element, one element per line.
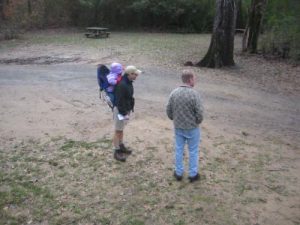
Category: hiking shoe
<point>118,155</point>
<point>194,178</point>
<point>178,178</point>
<point>125,150</point>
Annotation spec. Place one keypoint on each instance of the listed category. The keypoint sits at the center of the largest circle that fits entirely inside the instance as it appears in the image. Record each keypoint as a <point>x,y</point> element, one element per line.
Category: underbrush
<point>283,43</point>
<point>9,32</point>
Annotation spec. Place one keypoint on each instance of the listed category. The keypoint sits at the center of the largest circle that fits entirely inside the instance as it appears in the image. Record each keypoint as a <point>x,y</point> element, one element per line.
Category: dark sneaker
<point>125,150</point>
<point>194,178</point>
<point>178,178</point>
<point>118,155</point>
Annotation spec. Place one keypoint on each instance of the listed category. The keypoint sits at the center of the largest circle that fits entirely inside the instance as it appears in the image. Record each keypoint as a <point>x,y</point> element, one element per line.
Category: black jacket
<point>124,100</point>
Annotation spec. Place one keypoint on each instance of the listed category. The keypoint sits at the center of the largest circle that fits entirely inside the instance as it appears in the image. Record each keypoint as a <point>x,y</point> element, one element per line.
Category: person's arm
<point>169,108</point>
<point>121,94</point>
<point>112,80</point>
<point>198,109</point>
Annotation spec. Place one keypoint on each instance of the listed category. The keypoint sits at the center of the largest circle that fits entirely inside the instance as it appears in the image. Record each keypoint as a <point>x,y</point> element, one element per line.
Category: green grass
<point>132,221</point>
<point>65,181</point>
<point>71,144</point>
<point>22,194</point>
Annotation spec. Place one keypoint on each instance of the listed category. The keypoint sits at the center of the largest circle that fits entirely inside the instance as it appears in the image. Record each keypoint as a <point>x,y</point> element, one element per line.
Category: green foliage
<point>172,15</point>
<point>177,15</point>
<point>55,13</point>
<point>282,29</point>
<point>243,17</point>
<point>28,14</point>
<point>19,192</point>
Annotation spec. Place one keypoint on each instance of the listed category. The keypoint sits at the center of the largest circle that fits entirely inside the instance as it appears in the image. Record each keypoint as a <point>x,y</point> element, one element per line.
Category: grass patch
<point>156,47</point>
<point>133,221</point>
<point>71,144</point>
<point>69,181</point>
<point>23,195</point>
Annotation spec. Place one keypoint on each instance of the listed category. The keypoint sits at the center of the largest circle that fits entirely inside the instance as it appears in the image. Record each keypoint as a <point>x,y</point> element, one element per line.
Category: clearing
<point>55,135</point>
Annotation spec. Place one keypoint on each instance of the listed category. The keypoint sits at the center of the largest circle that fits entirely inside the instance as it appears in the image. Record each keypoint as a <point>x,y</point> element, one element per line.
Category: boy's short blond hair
<point>186,76</point>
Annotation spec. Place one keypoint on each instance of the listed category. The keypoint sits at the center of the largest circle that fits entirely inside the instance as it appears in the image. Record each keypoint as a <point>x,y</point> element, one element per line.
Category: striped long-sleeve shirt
<point>185,108</point>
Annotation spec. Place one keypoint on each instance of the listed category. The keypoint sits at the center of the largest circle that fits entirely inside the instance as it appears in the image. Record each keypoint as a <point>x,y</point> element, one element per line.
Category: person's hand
<point>126,117</point>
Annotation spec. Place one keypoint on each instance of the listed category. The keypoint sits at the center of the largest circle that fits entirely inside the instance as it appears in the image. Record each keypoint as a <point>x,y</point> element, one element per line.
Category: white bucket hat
<point>132,69</point>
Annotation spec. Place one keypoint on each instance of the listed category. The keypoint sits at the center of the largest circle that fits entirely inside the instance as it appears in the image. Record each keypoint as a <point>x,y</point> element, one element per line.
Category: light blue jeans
<point>192,138</point>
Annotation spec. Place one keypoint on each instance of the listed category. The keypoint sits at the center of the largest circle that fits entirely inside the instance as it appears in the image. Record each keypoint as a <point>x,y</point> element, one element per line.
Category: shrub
<point>281,29</point>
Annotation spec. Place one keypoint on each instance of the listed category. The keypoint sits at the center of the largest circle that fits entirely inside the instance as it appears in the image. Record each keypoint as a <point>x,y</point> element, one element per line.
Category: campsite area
<point>56,156</point>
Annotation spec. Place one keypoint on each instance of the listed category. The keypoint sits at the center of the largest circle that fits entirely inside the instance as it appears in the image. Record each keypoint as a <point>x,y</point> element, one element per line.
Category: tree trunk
<point>220,52</point>
<point>251,34</point>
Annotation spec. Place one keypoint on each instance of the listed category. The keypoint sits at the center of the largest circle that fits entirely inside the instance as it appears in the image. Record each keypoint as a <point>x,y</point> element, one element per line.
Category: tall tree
<point>251,34</point>
<point>220,52</point>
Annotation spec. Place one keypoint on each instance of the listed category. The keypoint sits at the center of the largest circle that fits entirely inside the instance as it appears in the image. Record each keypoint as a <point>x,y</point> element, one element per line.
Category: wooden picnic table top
<point>97,28</point>
<point>97,32</point>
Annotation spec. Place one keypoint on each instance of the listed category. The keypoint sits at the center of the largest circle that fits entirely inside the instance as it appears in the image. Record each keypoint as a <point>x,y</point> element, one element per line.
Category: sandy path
<point>33,96</point>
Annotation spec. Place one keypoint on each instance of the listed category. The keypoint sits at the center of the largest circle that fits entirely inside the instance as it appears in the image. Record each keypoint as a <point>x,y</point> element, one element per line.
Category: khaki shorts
<point>119,124</point>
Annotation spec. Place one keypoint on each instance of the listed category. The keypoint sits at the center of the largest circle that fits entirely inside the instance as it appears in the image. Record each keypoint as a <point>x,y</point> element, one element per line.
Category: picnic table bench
<point>239,30</point>
<point>97,32</point>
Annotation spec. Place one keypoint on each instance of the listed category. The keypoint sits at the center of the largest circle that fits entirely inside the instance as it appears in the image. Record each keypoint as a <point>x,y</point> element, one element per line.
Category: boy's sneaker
<point>125,150</point>
<point>118,155</point>
<point>178,178</point>
<point>194,178</point>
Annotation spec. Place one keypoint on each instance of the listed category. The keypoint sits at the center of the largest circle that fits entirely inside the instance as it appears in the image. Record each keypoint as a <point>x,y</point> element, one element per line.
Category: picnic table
<point>97,32</point>
<point>239,30</point>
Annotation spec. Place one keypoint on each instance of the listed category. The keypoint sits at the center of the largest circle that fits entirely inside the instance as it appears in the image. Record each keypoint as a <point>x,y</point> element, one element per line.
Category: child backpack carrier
<point>102,72</point>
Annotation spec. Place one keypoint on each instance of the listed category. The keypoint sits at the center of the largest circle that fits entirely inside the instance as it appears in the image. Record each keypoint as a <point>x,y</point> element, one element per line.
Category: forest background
<point>280,32</point>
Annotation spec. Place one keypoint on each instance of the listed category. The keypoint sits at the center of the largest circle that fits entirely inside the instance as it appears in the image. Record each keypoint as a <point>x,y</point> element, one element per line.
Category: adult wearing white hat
<point>124,104</point>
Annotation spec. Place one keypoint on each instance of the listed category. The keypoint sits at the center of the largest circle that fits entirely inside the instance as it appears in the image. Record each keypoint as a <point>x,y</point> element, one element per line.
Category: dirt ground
<point>55,134</point>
